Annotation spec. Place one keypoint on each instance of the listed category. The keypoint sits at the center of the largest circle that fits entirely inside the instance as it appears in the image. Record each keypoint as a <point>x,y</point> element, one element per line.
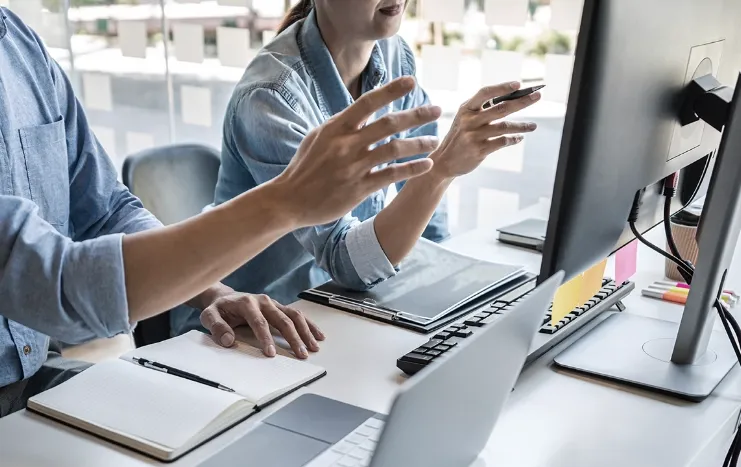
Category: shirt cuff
<point>366,254</point>
<point>93,276</point>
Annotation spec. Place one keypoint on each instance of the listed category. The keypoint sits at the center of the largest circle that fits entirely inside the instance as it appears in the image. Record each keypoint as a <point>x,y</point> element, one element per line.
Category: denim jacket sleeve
<point>437,228</point>
<point>266,131</point>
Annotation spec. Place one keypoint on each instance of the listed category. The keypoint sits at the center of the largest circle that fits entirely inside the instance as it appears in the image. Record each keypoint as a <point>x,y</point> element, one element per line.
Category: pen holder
<point>684,236</point>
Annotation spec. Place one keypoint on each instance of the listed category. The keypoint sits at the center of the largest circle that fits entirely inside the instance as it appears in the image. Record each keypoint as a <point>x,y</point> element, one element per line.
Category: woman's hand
<point>477,133</point>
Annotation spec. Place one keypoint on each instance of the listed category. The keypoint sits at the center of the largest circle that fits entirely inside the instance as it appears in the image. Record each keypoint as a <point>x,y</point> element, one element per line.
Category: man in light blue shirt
<point>80,258</point>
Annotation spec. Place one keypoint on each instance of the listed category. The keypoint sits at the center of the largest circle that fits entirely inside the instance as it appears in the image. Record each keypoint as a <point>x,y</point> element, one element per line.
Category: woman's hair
<point>300,11</point>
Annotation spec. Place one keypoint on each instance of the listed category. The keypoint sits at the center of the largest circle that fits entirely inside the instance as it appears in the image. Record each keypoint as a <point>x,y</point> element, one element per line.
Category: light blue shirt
<point>291,87</point>
<point>62,213</point>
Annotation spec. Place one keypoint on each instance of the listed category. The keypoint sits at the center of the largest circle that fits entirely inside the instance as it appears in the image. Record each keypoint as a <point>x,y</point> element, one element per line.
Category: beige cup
<point>684,237</point>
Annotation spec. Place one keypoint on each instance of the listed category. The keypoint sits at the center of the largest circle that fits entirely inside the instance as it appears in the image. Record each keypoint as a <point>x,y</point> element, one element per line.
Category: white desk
<point>552,419</point>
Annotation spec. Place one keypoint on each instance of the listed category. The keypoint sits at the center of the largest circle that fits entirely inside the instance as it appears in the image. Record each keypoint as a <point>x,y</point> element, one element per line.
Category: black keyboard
<point>549,335</point>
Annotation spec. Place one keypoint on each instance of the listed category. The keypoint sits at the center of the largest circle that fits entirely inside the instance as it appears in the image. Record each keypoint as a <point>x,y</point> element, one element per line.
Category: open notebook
<point>163,415</point>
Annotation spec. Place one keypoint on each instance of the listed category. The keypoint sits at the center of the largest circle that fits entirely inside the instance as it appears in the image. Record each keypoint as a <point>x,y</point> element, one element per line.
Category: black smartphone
<point>512,96</point>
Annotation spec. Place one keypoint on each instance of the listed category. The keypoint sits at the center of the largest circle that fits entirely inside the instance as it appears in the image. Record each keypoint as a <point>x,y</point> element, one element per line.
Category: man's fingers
<point>250,312</point>
<point>396,122</point>
<point>504,109</point>
<point>502,142</point>
<point>505,128</point>
<point>221,332</point>
<point>396,173</point>
<point>301,325</point>
<point>318,334</point>
<point>490,92</point>
<point>285,326</point>
<point>402,148</point>
<point>370,102</point>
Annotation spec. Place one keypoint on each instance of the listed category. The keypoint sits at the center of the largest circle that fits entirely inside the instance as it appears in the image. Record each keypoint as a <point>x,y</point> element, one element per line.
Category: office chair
<point>174,183</point>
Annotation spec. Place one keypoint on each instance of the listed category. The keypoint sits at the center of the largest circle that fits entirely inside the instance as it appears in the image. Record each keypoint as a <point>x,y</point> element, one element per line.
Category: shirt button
<point>26,349</point>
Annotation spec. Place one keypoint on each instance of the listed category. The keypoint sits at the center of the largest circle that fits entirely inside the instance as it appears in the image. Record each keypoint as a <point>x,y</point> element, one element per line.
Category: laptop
<point>441,417</point>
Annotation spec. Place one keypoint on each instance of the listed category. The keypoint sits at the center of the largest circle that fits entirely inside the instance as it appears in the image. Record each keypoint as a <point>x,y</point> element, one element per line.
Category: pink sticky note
<point>626,262</point>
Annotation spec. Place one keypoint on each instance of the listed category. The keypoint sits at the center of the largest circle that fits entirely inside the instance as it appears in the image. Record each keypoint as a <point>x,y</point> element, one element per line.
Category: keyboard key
<point>433,353</point>
<point>342,448</point>
<point>420,350</point>
<point>454,327</point>
<point>548,329</point>
<point>442,335</point>
<point>355,439</point>
<point>491,319</point>
<point>453,341</point>
<point>463,333</point>
<point>417,358</point>
<point>432,343</point>
<point>483,314</point>
<point>369,445</point>
<point>475,322</point>
<point>443,347</point>
<point>364,431</point>
<point>359,454</point>
<point>376,423</point>
<point>347,462</point>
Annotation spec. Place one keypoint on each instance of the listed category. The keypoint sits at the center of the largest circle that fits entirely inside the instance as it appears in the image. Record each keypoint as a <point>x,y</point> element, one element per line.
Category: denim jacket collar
<point>334,96</point>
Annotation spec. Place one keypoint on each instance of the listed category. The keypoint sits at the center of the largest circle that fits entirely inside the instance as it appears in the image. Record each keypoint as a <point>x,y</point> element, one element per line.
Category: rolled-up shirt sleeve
<point>366,254</point>
<point>266,131</point>
<point>72,291</point>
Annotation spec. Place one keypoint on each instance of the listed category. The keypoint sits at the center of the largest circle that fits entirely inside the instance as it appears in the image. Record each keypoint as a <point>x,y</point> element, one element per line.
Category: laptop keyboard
<point>551,334</point>
<point>355,449</point>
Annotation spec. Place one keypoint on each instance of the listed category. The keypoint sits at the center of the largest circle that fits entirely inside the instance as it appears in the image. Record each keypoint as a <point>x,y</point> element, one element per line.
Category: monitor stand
<point>637,350</point>
<point>688,359</point>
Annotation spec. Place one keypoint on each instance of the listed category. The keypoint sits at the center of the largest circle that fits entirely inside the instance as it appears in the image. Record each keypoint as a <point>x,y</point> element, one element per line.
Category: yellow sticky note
<point>567,297</point>
<point>593,281</point>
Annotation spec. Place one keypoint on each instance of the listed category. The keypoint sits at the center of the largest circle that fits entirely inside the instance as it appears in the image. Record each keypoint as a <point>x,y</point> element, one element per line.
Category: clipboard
<point>434,286</point>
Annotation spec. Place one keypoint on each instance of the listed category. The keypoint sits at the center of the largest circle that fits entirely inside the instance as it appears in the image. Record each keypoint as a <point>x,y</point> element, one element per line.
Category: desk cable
<point>687,269</point>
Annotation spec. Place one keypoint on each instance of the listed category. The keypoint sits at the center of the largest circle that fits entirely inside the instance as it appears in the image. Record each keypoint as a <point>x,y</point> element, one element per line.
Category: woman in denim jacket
<point>327,54</point>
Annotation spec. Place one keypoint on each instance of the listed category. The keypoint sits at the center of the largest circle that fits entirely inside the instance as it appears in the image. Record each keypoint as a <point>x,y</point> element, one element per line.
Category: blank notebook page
<point>240,367</point>
<point>139,402</point>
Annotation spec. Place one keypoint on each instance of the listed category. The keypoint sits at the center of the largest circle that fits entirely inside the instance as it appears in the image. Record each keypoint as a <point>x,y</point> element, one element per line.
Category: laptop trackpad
<point>318,417</point>
<point>268,446</point>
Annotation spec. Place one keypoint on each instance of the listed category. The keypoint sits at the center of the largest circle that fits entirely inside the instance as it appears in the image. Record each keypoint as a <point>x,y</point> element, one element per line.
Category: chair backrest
<point>173,182</point>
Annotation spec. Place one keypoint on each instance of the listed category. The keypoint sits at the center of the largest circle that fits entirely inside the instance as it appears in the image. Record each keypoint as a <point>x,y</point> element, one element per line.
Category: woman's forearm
<point>400,225</point>
<point>171,265</point>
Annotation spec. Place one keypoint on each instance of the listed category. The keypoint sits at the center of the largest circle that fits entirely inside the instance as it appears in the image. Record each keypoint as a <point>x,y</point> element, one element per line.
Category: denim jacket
<point>291,87</point>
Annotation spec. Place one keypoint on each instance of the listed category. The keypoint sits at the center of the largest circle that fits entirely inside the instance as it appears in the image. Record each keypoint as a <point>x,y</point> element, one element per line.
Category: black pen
<point>183,374</point>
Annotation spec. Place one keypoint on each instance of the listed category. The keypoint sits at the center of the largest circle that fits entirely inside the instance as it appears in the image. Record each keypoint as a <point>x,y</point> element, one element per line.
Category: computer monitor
<point>635,61</point>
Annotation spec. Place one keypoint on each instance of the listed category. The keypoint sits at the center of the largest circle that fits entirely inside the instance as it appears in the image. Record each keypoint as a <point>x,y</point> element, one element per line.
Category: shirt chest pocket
<point>45,156</point>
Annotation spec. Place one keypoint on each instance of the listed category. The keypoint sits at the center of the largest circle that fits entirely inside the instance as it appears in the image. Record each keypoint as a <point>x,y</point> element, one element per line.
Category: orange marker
<point>667,296</point>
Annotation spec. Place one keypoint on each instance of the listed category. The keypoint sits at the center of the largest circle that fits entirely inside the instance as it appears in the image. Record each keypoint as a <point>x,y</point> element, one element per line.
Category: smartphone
<point>512,96</point>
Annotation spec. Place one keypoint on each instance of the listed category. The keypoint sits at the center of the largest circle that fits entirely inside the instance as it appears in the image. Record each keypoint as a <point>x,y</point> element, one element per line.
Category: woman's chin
<point>389,27</point>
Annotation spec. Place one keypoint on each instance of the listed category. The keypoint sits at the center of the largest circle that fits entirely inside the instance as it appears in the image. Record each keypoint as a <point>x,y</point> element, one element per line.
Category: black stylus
<point>182,374</point>
<point>512,96</point>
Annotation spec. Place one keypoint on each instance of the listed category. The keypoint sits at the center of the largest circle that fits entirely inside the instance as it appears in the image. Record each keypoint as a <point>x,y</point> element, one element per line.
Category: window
<point>153,72</point>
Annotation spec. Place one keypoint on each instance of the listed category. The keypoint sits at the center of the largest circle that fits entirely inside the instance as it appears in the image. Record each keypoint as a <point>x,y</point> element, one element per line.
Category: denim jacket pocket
<point>45,154</point>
